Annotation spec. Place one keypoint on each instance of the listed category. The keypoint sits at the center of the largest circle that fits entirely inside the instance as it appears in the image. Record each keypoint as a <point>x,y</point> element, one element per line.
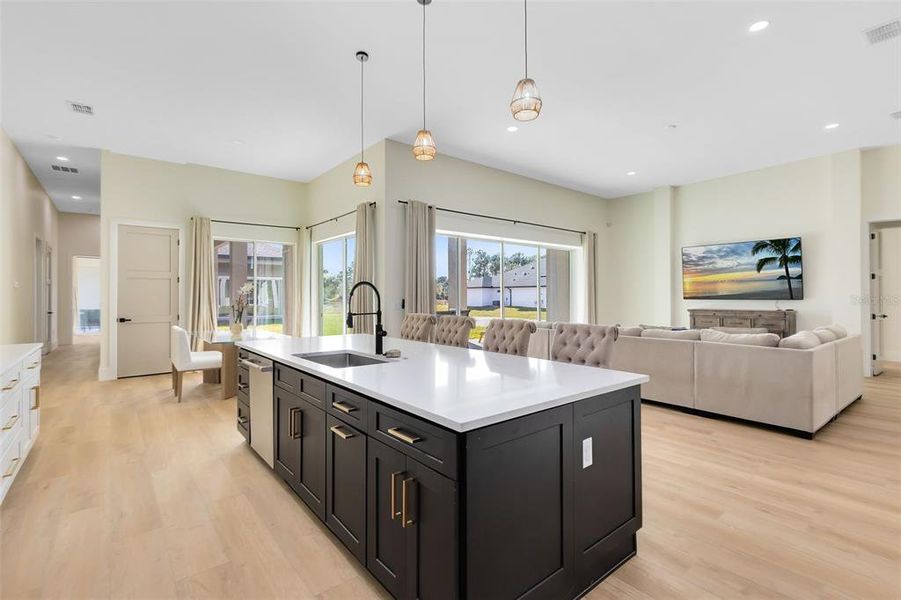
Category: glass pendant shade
<point>526,103</point>
<point>362,175</point>
<point>424,146</point>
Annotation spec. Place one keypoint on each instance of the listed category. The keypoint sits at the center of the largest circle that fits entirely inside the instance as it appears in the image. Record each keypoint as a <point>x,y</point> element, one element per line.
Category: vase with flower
<point>238,307</point>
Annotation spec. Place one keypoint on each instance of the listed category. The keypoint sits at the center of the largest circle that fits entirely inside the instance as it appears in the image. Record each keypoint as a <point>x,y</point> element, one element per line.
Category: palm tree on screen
<point>784,252</point>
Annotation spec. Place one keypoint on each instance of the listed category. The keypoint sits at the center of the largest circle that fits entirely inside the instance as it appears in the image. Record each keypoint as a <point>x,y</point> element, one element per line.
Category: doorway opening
<point>86,299</point>
<point>43,294</point>
<point>885,296</point>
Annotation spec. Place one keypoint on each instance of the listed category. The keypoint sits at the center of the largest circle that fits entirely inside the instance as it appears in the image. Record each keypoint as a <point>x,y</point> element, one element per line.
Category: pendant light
<point>362,173</point>
<point>526,103</point>
<point>424,145</point>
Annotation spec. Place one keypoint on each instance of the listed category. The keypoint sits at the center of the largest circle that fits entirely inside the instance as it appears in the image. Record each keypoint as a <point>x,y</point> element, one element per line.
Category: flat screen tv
<point>755,270</point>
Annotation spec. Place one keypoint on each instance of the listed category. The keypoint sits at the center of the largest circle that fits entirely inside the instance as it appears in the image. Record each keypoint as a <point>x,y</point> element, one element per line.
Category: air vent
<point>883,32</point>
<point>80,107</point>
<point>896,114</point>
<point>64,169</point>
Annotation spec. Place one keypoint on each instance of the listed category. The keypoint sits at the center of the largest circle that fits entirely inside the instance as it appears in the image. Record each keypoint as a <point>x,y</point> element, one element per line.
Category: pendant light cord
<point>362,158</point>
<point>423,65</point>
<point>525,12</point>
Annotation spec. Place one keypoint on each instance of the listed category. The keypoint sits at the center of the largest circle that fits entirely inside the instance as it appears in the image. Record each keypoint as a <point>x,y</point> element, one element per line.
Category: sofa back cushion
<point>839,331</point>
<point>581,344</point>
<point>741,329</point>
<point>803,340</point>
<point>630,331</point>
<point>745,339</point>
<point>643,326</point>
<point>667,334</point>
<point>825,335</point>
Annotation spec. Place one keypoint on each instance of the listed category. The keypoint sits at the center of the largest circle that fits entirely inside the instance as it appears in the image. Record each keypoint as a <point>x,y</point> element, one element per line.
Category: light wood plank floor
<point>129,494</point>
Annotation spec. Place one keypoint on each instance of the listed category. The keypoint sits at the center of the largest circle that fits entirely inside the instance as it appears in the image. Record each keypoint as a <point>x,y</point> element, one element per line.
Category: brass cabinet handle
<point>340,433</point>
<point>34,366</point>
<point>12,383</point>
<point>12,468</point>
<point>394,511</point>
<point>344,407</point>
<point>242,420</point>
<point>37,397</point>
<point>398,433</point>
<point>295,432</point>
<point>12,421</point>
<point>405,519</point>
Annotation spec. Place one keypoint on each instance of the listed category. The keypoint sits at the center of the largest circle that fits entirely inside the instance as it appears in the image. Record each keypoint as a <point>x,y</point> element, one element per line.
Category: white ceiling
<point>180,81</point>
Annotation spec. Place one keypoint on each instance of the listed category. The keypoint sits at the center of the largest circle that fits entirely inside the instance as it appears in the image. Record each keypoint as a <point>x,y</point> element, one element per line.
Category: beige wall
<point>881,183</point>
<point>79,235</point>
<point>27,214</point>
<point>150,192</point>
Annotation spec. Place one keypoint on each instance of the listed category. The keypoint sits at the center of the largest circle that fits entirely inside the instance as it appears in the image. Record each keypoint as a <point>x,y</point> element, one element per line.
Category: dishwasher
<point>260,406</point>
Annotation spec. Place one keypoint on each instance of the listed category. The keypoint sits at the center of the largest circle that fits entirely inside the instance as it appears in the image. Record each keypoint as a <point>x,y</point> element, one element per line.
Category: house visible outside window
<point>336,277</point>
<point>269,266</point>
<point>486,278</point>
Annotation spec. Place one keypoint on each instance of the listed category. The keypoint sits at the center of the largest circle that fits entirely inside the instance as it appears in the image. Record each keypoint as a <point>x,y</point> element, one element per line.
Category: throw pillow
<point>839,331</point>
<point>825,335</point>
<point>685,334</point>
<point>746,339</point>
<point>741,329</point>
<point>803,340</point>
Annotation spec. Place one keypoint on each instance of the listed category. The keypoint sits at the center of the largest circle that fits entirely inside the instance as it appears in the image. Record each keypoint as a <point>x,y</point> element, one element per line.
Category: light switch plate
<point>587,453</point>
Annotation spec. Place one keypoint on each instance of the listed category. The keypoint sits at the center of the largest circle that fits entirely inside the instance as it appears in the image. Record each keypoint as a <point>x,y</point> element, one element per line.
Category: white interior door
<point>147,298</point>
<point>889,315</point>
<point>876,303</point>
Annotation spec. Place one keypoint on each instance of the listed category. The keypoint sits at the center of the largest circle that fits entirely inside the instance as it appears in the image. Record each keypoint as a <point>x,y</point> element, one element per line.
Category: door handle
<point>123,320</point>
<point>344,435</point>
<point>37,397</point>
<point>405,519</point>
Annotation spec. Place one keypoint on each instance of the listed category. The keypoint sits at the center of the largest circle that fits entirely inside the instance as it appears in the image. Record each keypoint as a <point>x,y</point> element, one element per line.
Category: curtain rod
<point>514,221</point>
<point>253,224</point>
<point>347,214</point>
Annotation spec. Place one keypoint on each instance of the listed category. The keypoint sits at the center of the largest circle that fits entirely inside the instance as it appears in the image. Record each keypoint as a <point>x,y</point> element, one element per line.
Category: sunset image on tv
<point>757,270</point>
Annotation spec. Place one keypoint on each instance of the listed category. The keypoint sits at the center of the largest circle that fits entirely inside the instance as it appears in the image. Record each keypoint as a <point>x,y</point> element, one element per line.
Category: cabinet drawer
<point>10,381</point>
<point>243,381</point>
<point>10,462</point>
<point>243,421</point>
<point>703,322</point>
<point>347,406</point>
<point>737,321</point>
<point>242,354</point>
<point>31,368</point>
<point>11,417</point>
<point>301,384</point>
<point>429,444</point>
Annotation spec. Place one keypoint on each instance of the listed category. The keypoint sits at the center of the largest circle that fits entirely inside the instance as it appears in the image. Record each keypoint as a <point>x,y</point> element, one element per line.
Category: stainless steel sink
<point>341,359</point>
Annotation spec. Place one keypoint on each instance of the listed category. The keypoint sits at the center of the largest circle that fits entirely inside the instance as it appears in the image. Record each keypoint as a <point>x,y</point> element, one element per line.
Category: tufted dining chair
<point>417,327</point>
<point>581,344</point>
<point>453,330</point>
<point>508,336</point>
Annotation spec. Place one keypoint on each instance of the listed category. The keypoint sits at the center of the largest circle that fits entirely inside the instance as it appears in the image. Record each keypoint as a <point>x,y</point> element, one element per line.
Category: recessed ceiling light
<point>630,173</point>
<point>50,136</point>
<point>831,126</point>
<point>62,158</point>
<point>758,26</point>
<point>76,197</point>
<point>237,142</point>
<point>512,128</point>
<point>672,126</point>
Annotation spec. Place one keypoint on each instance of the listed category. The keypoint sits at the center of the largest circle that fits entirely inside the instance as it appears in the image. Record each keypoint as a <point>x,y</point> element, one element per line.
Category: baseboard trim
<point>106,374</point>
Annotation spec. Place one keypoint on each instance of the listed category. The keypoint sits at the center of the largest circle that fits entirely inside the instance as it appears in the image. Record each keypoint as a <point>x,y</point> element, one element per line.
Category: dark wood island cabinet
<point>539,506</point>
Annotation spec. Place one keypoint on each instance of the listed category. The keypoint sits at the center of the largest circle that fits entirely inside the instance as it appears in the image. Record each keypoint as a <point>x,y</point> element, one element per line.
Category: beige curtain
<point>364,267</point>
<point>203,278</point>
<point>307,299</point>
<point>419,284</point>
<point>589,249</point>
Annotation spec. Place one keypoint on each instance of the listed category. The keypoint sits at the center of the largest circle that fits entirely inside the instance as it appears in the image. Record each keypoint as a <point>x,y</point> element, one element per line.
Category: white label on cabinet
<point>587,454</point>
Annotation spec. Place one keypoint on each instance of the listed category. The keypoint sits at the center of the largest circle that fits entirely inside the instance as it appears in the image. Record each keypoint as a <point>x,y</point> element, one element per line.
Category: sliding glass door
<point>487,279</point>
<point>336,277</point>
<point>269,268</point>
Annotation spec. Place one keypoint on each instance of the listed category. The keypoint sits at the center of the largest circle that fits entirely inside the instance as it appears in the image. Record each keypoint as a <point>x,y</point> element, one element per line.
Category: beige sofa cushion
<point>839,331</point>
<point>508,336</point>
<point>825,335</point>
<point>630,331</point>
<point>453,330</point>
<point>744,339</point>
<point>417,327</point>
<point>803,340</point>
<point>581,344</point>
<point>643,326</point>
<point>667,334</point>
<point>669,364</point>
<point>741,329</point>
<point>848,370</point>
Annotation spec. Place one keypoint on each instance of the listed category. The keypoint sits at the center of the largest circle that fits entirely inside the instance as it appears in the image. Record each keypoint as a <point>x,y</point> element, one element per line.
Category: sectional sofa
<point>798,389</point>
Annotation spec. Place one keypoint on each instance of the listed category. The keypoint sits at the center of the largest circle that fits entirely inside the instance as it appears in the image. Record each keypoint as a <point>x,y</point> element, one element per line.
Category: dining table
<point>223,340</point>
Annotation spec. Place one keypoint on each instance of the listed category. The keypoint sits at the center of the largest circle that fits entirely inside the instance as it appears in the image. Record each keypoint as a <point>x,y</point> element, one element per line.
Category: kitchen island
<point>452,472</point>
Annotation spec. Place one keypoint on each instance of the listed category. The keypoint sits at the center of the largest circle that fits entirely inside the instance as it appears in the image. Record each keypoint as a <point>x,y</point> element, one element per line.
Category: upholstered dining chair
<point>508,336</point>
<point>453,330</point>
<point>582,344</point>
<point>183,359</point>
<point>418,327</point>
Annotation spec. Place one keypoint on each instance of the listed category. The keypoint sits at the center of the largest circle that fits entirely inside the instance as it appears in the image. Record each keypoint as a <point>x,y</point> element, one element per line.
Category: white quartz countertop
<point>10,354</point>
<point>457,388</point>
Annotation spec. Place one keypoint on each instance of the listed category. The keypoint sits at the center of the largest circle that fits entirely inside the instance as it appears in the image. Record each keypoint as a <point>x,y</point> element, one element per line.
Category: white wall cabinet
<point>20,408</point>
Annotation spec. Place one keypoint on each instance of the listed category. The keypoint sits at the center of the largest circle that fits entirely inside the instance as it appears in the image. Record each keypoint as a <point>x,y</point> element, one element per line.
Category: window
<point>336,277</point>
<point>486,279</point>
<point>269,268</point>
